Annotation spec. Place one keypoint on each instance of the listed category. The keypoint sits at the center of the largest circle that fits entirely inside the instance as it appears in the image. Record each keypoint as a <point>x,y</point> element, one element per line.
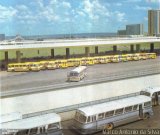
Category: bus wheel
<point>109,126</point>
<point>146,116</point>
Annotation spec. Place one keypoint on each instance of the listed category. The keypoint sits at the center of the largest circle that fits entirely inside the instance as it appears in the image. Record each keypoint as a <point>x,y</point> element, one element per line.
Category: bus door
<point>140,111</point>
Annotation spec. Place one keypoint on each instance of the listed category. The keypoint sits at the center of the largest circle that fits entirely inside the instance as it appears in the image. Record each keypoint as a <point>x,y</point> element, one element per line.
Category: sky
<point>47,17</point>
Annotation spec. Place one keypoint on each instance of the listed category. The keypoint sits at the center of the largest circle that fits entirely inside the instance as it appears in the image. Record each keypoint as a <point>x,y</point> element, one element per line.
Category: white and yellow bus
<point>151,55</point>
<point>87,61</point>
<point>18,67</point>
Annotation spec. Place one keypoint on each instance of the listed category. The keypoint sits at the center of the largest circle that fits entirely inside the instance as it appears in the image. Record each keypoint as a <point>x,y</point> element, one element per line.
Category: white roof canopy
<point>113,105</point>
<point>32,122</point>
<point>10,117</point>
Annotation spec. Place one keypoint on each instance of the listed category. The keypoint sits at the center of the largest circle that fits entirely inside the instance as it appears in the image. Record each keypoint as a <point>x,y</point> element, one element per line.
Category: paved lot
<point>14,81</point>
<point>152,123</point>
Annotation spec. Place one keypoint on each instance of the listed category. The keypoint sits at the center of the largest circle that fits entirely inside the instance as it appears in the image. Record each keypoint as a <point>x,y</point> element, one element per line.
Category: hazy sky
<point>42,17</point>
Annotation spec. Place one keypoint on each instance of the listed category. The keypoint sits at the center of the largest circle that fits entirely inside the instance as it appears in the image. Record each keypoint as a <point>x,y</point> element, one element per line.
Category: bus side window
<point>128,109</point>
<point>100,116</point>
<point>89,119</point>
<point>135,107</point>
<point>110,113</point>
<point>147,104</point>
<point>119,111</point>
<point>33,131</point>
<point>94,118</point>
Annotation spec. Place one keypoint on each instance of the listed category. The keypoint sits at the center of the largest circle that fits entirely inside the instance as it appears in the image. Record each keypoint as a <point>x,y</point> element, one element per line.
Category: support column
<point>114,48</point>
<point>87,51</point>
<point>18,56</point>
<point>96,49</point>
<point>152,47</point>
<point>6,60</point>
<point>137,47</point>
<point>132,48</point>
<point>67,53</point>
<point>52,53</point>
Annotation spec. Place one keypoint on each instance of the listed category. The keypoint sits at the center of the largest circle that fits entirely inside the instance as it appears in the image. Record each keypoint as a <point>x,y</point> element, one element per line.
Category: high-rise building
<point>134,29</point>
<point>2,37</point>
<point>153,22</point>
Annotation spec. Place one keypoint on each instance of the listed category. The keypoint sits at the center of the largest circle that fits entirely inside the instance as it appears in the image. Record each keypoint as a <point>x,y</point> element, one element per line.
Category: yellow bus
<point>129,57</point>
<point>151,55</point>
<point>52,65</point>
<point>62,63</point>
<point>97,60</point>
<point>124,58</point>
<point>34,66</point>
<point>43,65</point>
<point>87,61</point>
<point>136,56</point>
<point>115,58</point>
<point>18,67</point>
<point>143,56</point>
<point>105,59</point>
<point>74,62</point>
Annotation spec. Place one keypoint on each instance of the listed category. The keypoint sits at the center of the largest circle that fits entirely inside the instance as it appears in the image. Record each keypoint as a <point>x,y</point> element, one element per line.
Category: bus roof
<point>79,69</point>
<point>10,117</point>
<point>113,105</point>
<point>32,122</point>
<point>152,90</point>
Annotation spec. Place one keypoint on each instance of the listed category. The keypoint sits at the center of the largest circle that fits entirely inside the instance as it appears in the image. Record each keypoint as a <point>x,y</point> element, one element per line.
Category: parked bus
<point>10,117</point>
<point>74,62</point>
<point>18,67</point>
<point>47,124</point>
<point>154,93</point>
<point>61,63</point>
<point>108,115</point>
<point>115,58</point>
<point>43,64</point>
<point>34,66</point>
<point>151,55</point>
<point>143,56</point>
<point>123,58</point>
<point>77,74</point>
<point>136,56</point>
<point>52,65</point>
<point>97,59</point>
<point>130,57</point>
<point>87,61</point>
<point>105,59</point>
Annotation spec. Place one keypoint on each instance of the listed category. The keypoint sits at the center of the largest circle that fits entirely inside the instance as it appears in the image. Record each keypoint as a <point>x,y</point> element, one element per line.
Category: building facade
<point>134,29</point>
<point>153,22</point>
<point>2,37</point>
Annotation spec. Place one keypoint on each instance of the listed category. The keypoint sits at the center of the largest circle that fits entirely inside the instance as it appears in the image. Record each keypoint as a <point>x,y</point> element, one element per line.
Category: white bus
<point>77,74</point>
<point>10,117</point>
<point>154,93</point>
<point>47,124</point>
<point>108,115</point>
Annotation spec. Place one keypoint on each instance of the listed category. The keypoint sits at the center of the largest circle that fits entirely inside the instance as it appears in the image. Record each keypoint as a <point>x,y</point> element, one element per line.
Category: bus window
<point>89,119</point>
<point>23,132</point>
<point>110,113</point>
<point>135,107</point>
<point>82,118</point>
<point>119,111</point>
<point>128,109</point>
<point>159,93</point>
<point>100,116</point>
<point>94,118</point>
<point>53,126</point>
<point>33,131</point>
<point>147,104</point>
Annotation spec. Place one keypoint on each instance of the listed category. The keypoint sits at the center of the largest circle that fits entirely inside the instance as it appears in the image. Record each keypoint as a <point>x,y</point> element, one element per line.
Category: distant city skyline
<point>47,17</point>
